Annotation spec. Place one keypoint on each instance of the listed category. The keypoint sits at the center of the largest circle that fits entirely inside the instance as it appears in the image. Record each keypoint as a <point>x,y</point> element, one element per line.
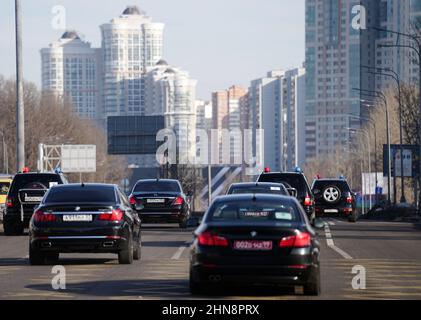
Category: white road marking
<point>331,243</point>
<point>180,251</point>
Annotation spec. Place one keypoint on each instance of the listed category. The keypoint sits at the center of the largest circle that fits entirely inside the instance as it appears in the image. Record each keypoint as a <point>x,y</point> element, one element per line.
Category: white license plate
<point>331,211</point>
<point>33,199</point>
<point>77,217</point>
<point>155,200</point>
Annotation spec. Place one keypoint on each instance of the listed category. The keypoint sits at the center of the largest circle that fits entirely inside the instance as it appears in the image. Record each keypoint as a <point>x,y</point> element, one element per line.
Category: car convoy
<point>259,231</point>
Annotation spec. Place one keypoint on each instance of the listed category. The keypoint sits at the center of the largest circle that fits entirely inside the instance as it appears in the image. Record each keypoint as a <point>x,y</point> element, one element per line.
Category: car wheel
<point>19,229</point>
<point>125,256</point>
<point>312,288</point>
<point>52,257</point>
<point>36,257</point>
<point>183,223</point>
<point>9,228</point>
<point>353,217</point>
<point>195,286</point>
<point>137,252</point>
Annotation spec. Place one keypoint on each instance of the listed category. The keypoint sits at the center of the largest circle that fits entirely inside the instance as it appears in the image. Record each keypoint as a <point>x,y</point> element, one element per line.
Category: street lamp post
<point>394,76</point>
<point>380,95</point>
<point>417,49</point>
<point>373,123</point>
<point>367,135</point>
<point>5,154</point>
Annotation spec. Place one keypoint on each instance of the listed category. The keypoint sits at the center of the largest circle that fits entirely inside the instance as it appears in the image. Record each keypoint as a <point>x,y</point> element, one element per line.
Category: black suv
<point>334,197</point>
<point>294,180</point>
<point>25,193</point>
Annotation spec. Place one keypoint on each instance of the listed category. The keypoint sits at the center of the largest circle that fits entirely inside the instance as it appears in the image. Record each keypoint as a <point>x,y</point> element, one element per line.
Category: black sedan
<point>160,200</point>
<point>255,239</point>
<point>84,218</point>
<point>258,187</point>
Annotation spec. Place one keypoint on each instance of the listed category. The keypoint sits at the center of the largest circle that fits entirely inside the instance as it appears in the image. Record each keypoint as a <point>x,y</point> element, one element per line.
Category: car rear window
<point>296,181</point>
<point>152,186</point>
<point>257,190</point>
<point>35,181</point>
<point>4,188</point>
<point>319,185</point>
<point>254,211</point>
<point>79,194</point>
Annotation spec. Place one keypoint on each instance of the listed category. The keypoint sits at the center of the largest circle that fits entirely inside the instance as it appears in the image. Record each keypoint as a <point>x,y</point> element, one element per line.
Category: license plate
<point>77,217</point>
<point>253,245</point>
<point>33,199</point>
<point>155,200</point>
<point>331,211</point>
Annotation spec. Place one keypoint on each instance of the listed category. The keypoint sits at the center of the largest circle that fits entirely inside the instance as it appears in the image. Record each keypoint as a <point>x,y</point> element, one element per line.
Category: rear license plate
<point>77,217</point>
<point>155,200</point>
<point>331,210</point>
<point>33,199</point>
<point>253,245</point>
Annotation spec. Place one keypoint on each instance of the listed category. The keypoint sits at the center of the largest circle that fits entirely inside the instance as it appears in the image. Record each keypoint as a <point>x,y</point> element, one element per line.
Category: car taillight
<point>178,201</point>
<point>41,216</point>
<point>9,202</point>
<point>212,240</point>
<point>300,240</point>
<point>307,201</point>
<point>349,199</point>
<point>132,200</point>
<point>115,215</point>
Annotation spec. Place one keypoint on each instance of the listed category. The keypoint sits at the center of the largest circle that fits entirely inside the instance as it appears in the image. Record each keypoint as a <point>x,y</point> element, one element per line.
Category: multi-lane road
<point>389,252</point>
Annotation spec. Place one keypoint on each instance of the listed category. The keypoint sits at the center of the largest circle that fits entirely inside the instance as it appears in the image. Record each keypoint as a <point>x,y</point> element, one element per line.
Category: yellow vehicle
<point>5,182</point>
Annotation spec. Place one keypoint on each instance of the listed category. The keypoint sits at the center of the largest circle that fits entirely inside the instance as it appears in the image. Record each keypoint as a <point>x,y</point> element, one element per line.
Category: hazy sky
<point>220,42</point>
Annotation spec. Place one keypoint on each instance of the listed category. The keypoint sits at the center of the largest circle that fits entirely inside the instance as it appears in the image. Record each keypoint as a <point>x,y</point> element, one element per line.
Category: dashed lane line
<point>177,255</point>
<point>331,244</point>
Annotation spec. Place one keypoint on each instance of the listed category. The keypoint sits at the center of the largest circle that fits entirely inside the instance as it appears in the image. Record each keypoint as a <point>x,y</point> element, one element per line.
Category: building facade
<point>71,69</point>
<point>277,104</point>
<point>131,43</point>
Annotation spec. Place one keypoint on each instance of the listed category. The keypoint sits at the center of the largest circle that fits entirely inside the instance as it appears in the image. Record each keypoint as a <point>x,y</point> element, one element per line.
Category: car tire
<point>195,287</point>
<point>125,256</point>
<point>353,217</point>
<point>52,257</point>
<point>137,251</point>
<point>9,229</point>
<point>36,257</point>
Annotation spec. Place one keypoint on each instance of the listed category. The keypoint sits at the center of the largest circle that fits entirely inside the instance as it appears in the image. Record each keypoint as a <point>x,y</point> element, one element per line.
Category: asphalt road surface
<point>390,254</point>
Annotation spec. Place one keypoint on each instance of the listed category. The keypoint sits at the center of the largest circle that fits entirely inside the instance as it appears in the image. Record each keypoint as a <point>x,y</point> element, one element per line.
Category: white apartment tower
<point>71,70</point>
<point>131,43</point>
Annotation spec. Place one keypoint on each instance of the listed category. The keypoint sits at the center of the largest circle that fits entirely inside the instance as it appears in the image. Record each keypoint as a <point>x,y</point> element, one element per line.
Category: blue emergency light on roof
<point>57,170</point>
<point>298,170</point>
<point>342,177</point>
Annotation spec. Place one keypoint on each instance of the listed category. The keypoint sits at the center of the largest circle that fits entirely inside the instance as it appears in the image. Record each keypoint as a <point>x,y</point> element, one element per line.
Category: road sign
<point>78,158</point>
<point>410,160</point>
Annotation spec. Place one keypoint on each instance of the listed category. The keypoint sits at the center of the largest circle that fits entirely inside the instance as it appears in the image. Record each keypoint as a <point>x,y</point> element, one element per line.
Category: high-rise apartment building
<point>71,69</point>
<point>228,107</point>
<point>131,43</point>
<point>277,104</point>
<point>172,93</point>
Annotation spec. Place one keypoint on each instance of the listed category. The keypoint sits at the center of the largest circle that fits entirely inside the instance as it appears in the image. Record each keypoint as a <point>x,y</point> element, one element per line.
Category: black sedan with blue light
<point>255,239</point>
<point>84,218</point>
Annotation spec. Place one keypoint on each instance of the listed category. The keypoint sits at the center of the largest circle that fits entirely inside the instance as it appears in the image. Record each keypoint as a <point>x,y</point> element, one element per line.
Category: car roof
<point>257,197</point>
<point>157,180</point>
<point>286,172</point>
<point>83,185</point>
<point>330,180</point>
<point>254,184</point>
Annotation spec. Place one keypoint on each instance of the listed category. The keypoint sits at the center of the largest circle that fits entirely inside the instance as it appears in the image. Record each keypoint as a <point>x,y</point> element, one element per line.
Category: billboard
<point>410,160</point>
<point>134,134</point>
<point>78,158</point>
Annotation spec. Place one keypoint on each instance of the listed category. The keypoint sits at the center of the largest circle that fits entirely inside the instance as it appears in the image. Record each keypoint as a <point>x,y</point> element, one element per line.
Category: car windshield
<point>35,181</point>
<point>81,194</point>
<point>319,185</point>
<point>294,180</point>
<point>254,211</point>
<point>257,190</point>
<point>154,186</point>
<point>4,188</point>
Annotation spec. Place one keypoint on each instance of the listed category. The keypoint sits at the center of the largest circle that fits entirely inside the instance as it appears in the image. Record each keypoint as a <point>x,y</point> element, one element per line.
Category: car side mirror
<point>292,192</point>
